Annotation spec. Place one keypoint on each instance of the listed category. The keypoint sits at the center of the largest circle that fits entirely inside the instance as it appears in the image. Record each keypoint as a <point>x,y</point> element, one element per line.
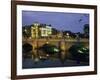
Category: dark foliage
<point>49,49</point>
<point>79,52</point>
<point>27,48</point>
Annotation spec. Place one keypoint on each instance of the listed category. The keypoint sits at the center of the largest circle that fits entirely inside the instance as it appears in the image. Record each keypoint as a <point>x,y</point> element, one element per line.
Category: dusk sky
<point>59,20</point>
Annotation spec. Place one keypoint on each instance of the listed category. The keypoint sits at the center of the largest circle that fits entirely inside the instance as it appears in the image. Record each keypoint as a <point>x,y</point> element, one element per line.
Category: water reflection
<point>49,55</point>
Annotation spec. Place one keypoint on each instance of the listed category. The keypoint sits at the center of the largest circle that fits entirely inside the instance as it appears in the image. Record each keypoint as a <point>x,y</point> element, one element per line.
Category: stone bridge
<point>62,43</point>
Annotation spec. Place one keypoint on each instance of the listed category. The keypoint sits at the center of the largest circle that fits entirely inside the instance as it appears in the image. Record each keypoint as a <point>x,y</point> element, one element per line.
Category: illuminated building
<point>40,30</point>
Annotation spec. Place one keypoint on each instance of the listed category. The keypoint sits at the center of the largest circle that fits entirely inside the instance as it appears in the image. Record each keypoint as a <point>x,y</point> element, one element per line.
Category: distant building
<point>45,31</point>
<point>40,30</point>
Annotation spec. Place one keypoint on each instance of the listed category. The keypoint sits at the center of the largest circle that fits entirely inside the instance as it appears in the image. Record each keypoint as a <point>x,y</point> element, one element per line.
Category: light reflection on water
<point>52,62</point>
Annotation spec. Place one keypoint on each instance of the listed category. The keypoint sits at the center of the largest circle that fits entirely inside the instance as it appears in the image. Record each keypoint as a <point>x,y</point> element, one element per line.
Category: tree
<point>26,31</point>
<point>86,30</point>
<point>55,31</point>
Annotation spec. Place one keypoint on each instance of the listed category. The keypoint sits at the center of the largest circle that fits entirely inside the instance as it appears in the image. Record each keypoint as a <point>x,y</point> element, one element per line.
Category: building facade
<point>40,30</point>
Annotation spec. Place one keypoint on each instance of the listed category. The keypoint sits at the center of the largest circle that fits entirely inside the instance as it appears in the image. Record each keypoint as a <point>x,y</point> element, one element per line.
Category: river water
<point>30,63</point>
